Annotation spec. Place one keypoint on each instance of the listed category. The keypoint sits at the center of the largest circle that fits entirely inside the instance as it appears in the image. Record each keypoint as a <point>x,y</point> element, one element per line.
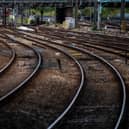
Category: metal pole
<point>55,14</point>
<point>99,15</point>
<point>41,13</point>
<point>4,18</point>
<point>22,10</point>
<point>122,21</point>
<point>95,13</point>
<point>14,14</point>
<point>76,12</point>
<point>90,12</point>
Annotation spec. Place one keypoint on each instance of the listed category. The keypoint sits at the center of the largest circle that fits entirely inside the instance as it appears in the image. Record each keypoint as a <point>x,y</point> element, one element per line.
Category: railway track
<point>91,35</point>
<point>115,47</point>
<point>40,88</point>
<point>88,36</point>
<point>7,56</point>
<point>15,77</point>
<point>109,65</point>
<point>112,47</point>
<point>123,68</point>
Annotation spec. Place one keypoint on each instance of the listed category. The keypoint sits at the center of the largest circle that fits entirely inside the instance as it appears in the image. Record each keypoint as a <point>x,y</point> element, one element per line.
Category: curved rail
<point>78,91</point>
<point>28,78</point>
<point>117,74</point>
<point>57,36</point>
<point>10,61</point>
<point>82,33</point>
<point>113,44</point>
<point>119,121</point>
<point>123,105</point>
<point>102,47</point>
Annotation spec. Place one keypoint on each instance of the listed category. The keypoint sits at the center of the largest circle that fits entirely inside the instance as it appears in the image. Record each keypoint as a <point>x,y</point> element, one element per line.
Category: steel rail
<point>5,67</point>
<point>94,37</point>
<point>78,91</point>
<point>85,33</point>
<point>28,78</point>
<point>119,76</point>
<point>124,47</point>
<point>98,47</point>
<point>114,69</point>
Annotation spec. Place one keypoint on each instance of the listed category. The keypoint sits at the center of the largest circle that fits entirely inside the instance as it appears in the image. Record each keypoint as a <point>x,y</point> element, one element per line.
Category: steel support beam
<point>4,16</point>
<point>122,20</point>
<point>95,13</point>
<point>76,12</point>
<point>99,11</point>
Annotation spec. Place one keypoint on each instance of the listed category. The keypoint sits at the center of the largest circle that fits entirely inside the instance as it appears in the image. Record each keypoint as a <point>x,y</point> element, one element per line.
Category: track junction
<point>55,79</point>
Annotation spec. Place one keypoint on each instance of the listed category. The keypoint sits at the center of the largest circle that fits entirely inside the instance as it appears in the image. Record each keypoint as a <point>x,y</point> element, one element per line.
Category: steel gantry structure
<point>98,4</point>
